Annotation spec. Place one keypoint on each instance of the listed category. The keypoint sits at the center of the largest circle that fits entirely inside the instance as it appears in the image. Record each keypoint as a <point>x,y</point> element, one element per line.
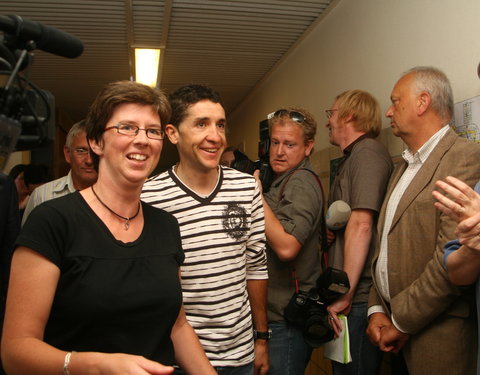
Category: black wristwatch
<point>262,335</point>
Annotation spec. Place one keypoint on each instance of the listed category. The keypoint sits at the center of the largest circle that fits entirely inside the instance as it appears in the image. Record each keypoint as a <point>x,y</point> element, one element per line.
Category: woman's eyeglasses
<point>132,131</point>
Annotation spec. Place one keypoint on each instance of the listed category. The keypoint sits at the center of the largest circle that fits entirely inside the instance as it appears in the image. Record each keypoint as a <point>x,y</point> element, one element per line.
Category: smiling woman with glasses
<point>94,282</point>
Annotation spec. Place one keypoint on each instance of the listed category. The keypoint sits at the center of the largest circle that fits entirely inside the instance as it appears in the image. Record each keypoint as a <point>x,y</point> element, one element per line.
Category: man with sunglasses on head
<point>219,210</point>
<point>293,216</point>
<point>82,174</point>
<point>354,123</point>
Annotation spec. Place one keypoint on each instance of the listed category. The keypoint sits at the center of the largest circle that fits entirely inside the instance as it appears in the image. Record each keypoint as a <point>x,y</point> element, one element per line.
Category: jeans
<point>366,357</point>
<point>227,370</point>
<point>288,352</point>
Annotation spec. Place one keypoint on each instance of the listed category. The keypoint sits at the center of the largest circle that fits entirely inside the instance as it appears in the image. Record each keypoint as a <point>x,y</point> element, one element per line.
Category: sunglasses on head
<point>295,116</point>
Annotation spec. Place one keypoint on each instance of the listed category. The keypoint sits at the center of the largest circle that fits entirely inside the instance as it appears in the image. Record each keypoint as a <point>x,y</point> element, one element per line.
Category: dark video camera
<point>244,164</point>
<point>308,310</point>
<point>26,111</point>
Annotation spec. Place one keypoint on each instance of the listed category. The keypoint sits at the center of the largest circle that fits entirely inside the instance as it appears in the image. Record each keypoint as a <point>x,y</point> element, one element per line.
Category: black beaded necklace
<point>127,219</point>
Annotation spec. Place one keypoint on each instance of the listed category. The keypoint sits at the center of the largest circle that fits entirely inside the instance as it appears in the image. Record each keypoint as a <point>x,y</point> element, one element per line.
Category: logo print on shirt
<point>235,221</point>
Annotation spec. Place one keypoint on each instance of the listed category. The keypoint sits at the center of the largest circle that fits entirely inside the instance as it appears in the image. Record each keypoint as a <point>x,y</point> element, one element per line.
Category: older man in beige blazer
<point>412,304</point>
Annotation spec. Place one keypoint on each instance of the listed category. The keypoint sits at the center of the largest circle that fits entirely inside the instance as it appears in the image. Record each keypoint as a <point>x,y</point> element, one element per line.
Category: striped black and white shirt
<point>223,237</point>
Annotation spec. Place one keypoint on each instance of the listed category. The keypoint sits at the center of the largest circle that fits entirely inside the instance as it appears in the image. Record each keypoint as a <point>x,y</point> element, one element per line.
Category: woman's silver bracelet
<point>66,363</point>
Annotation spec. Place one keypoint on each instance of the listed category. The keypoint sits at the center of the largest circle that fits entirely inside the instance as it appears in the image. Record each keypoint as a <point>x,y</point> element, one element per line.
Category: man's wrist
<point>262,335</point>
<point>396,325</point>
<point>375,309</point>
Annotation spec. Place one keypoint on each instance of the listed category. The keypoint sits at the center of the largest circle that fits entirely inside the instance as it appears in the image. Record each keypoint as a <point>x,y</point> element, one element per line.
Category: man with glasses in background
<point>81,175</point>
<point>293,216</point>
<point>354,121</point>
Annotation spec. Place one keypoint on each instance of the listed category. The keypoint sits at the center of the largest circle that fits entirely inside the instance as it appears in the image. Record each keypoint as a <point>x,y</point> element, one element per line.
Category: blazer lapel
<point>424,175</point>
<point>397,173</point>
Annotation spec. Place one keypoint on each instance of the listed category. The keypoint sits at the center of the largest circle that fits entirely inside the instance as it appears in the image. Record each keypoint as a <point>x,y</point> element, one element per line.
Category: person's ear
<point>172,133</point>
<point>423,102</point>
<point>309,147</point>
<point>348,118</point>
<point>97,147</point>
<point>66,154</point>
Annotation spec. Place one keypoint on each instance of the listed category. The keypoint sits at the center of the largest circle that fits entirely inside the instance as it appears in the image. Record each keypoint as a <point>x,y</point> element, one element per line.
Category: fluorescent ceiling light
<point>146,66</point>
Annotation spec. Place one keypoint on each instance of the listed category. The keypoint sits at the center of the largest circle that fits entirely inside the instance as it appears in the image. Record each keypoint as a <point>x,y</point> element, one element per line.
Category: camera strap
<point>323,229</point>
<point>294,276</point>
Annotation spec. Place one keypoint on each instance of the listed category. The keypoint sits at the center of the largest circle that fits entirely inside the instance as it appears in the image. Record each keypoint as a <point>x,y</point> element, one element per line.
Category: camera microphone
<point>337,215</point>
<point>46,38</point>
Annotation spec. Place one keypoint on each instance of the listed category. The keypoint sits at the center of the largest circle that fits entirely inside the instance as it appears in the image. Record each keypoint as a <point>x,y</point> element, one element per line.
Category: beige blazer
<point>422,298</point>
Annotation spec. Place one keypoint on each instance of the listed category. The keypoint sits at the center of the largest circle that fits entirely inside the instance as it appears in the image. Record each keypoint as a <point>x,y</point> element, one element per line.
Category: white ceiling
<point>227,44</point>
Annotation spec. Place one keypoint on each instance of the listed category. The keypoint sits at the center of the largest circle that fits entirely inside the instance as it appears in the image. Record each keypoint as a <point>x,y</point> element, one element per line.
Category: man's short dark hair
<point>187,95</point>
<point>16,170</point>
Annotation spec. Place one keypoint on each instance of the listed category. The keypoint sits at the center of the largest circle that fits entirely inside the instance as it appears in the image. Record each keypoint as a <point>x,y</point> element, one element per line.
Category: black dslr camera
<point>308,310</point>
<point>244,164</point>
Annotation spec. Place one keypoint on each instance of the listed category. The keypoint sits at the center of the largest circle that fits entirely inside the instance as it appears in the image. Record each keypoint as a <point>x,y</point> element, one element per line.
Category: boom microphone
<point>46,38</point>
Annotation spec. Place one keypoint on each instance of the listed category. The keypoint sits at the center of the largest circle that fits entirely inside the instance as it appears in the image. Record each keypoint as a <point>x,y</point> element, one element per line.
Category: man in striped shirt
<point>82,173</point>
<point>219,210</point>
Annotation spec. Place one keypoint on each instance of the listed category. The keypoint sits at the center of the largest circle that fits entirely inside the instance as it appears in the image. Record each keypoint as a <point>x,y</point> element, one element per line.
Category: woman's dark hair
<point>121,92</point>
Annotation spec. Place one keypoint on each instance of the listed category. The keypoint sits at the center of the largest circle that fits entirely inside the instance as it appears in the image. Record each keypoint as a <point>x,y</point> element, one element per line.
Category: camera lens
<point>317,330</point>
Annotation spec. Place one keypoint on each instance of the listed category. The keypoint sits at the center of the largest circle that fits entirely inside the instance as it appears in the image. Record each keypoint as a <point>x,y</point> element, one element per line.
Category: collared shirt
<point>415,162</point>
<point>348,150</point>
<point>53,189</point>
<point>295,198</point>
<point>361,181</point>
